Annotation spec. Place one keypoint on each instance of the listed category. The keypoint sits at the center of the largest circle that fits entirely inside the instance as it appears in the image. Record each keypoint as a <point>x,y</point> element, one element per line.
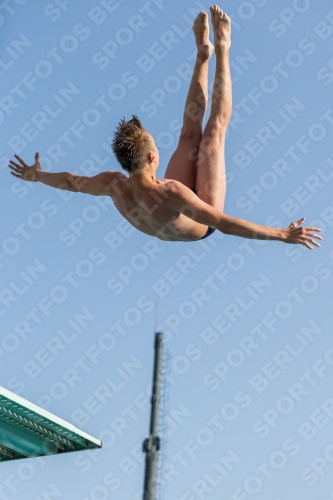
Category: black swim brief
<point>209,231</point>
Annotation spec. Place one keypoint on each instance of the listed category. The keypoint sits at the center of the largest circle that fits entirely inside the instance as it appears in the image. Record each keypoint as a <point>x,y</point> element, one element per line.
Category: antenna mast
<point>151,445</point>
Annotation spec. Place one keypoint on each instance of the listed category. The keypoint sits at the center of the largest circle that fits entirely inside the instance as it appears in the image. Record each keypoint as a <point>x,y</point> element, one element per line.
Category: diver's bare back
<point>148,209</point>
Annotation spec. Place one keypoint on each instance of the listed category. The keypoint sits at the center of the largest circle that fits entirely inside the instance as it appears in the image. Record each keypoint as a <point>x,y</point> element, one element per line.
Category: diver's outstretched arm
<point>183,200</point>
<point>98,185</point>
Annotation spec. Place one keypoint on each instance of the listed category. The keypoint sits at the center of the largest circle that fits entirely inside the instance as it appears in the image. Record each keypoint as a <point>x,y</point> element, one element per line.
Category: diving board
<point>27,431</point>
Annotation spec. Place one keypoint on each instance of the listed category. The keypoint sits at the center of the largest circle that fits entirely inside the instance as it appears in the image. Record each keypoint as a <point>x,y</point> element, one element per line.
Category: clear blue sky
<point>247,325</point>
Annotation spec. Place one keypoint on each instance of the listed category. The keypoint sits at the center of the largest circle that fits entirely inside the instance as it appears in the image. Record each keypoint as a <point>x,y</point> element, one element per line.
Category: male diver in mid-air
<point>187,205</point>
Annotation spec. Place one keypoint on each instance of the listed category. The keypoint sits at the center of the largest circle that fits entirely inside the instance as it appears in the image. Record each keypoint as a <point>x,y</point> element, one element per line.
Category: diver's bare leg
<point>182,165</point>
<point>211,179</point>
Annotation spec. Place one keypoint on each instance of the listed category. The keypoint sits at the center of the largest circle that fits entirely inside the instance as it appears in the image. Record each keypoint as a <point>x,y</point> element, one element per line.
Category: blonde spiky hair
<point>131,144</point>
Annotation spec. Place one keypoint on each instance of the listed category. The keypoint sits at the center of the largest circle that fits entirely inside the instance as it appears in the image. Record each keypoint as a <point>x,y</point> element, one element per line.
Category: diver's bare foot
<point>221,26</point>
<point>201,32</point>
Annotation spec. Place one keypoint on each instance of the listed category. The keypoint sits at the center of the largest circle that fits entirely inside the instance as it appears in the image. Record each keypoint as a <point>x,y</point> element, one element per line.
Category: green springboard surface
<point>27,431</point>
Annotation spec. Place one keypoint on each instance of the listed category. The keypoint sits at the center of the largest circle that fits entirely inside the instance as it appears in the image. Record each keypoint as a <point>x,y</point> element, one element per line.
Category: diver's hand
<point>23,171</point>
<point>295,234</point>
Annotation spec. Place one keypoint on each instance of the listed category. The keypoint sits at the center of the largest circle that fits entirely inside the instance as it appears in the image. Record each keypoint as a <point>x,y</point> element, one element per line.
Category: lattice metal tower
<point>151,445</point>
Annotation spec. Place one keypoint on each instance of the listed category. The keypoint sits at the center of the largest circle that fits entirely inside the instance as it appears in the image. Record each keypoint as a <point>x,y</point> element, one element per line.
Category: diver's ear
<point>151,157</point>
